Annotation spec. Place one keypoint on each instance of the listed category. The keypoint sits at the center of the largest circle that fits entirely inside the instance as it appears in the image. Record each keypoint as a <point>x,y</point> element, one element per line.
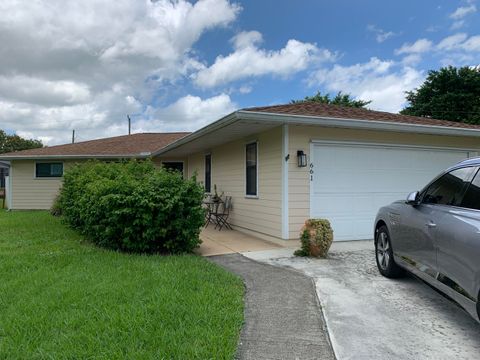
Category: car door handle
<point>431,224</point>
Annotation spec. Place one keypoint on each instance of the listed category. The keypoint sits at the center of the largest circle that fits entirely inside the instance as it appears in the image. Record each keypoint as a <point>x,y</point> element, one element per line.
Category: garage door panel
<point>351,182</point>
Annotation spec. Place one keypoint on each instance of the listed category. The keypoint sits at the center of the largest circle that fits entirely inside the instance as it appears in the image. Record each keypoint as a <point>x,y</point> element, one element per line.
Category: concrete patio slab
<point>216,242</point>
<point>371,317</point>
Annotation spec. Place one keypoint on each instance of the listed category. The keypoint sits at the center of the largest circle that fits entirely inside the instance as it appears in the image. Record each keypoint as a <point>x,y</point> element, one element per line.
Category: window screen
<point>48,170</point>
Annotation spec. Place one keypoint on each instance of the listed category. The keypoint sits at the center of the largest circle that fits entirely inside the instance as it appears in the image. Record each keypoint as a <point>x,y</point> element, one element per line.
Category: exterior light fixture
<point>301,158</point>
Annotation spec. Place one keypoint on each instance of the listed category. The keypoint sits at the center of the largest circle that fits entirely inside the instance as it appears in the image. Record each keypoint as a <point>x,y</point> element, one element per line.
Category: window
<point>208,173</point>
<point>449,189</point>
<point>45,170</point>
<point>251,169</point>
<point>173,165</point>
<point>471,199</point>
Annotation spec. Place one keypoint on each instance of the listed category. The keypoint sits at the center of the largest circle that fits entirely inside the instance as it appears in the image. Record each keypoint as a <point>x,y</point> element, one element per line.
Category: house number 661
<point>311,171</point>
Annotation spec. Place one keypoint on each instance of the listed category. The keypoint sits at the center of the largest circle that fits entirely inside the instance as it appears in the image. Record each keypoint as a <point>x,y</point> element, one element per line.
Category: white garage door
<point>351,182</point>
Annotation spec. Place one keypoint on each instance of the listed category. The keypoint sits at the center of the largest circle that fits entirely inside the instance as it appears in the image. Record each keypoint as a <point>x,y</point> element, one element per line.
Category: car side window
<point>449,188</point>
<point>471,200</point>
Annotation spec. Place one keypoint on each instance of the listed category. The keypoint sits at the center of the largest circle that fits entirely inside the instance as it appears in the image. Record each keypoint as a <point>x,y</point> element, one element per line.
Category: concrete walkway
<point>283,319</point>
<point>216,242</point>
<point>371,317</point>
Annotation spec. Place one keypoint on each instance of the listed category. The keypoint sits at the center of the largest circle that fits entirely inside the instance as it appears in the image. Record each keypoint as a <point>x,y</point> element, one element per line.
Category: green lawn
<point>61,297</point>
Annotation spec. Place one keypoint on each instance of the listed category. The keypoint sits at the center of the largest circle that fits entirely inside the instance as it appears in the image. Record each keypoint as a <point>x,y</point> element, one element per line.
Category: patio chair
<point>222,214</point>
<point>211,208</point>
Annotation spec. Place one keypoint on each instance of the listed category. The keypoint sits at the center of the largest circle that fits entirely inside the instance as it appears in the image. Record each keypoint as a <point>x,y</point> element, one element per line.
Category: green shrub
<point>132,206</point>
<point>316,238</point>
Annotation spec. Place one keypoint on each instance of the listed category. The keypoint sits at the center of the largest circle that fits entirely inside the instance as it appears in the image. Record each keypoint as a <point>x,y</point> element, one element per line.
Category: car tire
<point>384,255</point>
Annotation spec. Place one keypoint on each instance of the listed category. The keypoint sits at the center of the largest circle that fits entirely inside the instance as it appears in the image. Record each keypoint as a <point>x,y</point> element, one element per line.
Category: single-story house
<point>281,164</point>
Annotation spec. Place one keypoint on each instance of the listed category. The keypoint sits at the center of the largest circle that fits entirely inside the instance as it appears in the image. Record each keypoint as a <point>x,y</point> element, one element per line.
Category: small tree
<point>9,143</point>
<point>339,99</point>
<point>450,93</point>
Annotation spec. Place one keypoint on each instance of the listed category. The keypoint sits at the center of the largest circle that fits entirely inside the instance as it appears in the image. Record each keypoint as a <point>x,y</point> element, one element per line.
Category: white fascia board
<point>66,157</point>
<point>358,124</point>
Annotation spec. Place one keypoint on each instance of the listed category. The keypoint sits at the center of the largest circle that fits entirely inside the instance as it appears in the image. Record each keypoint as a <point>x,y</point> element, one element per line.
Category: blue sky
<point>178,65</point>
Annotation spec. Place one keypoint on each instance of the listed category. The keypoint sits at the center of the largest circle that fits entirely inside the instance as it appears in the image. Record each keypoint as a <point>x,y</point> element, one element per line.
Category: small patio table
<point>218,212</point>
<point>212,209</point>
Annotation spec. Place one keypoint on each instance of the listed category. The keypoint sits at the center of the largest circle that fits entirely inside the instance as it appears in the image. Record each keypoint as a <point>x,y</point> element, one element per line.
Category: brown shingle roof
<point>343,112</point>
<point>127,145</point>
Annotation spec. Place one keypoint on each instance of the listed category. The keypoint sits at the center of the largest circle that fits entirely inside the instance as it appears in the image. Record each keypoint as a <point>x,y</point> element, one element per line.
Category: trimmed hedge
<point>132,206</point>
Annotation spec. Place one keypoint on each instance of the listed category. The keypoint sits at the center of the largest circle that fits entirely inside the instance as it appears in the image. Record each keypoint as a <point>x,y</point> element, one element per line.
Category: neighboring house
<point>36,174</point>
<point>4,166</point>
<point>283,164</point>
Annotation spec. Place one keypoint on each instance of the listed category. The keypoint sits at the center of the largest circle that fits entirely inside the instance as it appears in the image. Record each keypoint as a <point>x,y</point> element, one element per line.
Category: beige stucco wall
<point>261,214</point>
<point>301,136</point>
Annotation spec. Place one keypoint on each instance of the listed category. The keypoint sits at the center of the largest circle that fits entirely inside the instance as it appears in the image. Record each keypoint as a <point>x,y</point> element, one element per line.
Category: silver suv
<point>435,234</point>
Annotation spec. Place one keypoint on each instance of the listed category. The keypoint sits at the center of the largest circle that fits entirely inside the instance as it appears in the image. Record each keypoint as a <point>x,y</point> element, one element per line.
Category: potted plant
<point>216,198</point>
<point>316,237</point>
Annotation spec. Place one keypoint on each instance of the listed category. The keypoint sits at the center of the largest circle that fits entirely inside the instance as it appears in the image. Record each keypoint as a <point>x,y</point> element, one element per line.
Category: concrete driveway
<point>371,317</point>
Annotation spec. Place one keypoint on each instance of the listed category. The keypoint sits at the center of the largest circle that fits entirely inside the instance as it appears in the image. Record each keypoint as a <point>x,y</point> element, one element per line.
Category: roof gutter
<point>66,157</point>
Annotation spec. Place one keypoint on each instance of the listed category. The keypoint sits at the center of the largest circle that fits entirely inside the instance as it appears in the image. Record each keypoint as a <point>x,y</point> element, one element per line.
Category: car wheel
<point>384,255</point>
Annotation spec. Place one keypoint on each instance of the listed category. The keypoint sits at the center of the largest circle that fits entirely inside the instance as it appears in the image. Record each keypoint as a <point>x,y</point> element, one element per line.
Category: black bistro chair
<point>220,216</point>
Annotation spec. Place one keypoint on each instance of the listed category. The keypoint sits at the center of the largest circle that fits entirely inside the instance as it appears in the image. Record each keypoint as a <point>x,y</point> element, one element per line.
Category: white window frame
<point>256,196</point>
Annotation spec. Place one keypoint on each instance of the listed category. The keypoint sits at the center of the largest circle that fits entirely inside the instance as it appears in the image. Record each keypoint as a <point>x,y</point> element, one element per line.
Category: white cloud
<point>460,14</point>
<point>249,60</point>
<point>472,44</point>
<point>463,11</point>
<point>457,24</point>
<point>86,64</point>
<point>380,34</point>
<point>452,42</point>
<point>419,46</point>
<point>246,39</point>
<point>188,113</point>
<point>43,92</point>
<point>383,82</point>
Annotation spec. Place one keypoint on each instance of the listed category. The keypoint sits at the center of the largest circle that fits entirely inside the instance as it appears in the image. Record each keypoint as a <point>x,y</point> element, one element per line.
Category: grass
<point>62,298</point>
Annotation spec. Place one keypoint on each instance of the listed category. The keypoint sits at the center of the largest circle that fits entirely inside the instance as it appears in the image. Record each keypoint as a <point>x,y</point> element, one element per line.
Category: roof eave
<point>359,124</point>
<point>326,121</point>
<point>66,157</point>
<point>226,120</point>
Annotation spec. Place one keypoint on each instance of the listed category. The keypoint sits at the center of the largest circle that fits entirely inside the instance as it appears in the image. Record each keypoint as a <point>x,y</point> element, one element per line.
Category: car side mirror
<point>413,198</point>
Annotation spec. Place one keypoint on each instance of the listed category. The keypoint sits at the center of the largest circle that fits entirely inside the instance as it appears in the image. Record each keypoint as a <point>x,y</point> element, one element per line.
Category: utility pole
<point>129,125</point>
<point>73,136</point>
